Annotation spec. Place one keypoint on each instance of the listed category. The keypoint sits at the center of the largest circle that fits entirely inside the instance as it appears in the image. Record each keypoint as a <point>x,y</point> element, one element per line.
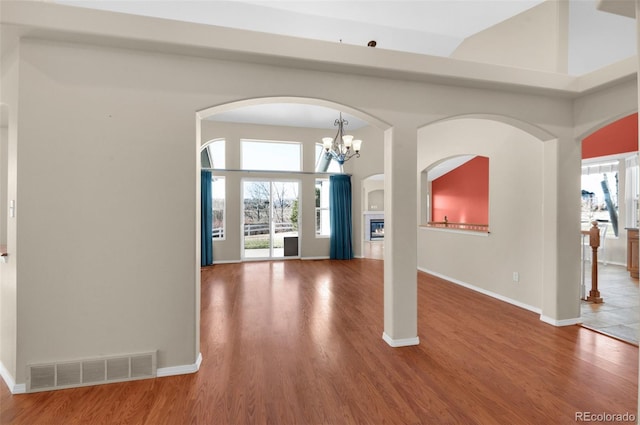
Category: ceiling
<point>434,27</point>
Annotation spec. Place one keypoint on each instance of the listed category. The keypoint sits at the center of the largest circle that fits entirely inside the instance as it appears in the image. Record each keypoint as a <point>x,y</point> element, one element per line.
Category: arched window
<point>212,155</point>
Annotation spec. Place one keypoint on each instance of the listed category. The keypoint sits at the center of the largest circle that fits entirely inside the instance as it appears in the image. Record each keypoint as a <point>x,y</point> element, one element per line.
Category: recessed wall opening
<point>456,193</point>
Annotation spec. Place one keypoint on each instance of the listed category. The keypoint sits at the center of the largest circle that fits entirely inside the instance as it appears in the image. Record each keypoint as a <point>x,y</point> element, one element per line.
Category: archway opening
<point>283,122</point>
<point>609,197</point>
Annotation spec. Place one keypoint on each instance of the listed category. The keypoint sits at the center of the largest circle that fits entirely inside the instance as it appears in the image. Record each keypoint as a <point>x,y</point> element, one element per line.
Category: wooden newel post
<point>594,242</point>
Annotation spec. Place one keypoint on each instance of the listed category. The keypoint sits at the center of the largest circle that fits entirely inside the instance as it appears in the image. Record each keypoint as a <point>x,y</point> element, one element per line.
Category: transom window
<point>271,155</point>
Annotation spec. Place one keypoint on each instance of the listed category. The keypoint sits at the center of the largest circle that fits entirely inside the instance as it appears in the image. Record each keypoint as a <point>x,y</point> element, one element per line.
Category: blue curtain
<point>340,217</point>
<point>206,219</point>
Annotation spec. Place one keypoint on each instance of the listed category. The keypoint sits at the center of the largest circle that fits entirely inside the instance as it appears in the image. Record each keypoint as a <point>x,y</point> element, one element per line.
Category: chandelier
<point>342,147</point>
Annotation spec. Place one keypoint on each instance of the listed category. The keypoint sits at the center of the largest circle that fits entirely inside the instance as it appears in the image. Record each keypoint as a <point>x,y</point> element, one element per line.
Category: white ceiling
<point>444,167</point>
<point>289,115</point>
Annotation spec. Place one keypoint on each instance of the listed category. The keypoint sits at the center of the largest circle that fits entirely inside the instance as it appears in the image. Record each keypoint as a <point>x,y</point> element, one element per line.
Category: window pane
<point>323,224</point>
<point>218,190</point>
<point>598,204</point>
<point>217,151</point>
<point>322,166</point>
<point>212,155</point>
<point>277,156</point>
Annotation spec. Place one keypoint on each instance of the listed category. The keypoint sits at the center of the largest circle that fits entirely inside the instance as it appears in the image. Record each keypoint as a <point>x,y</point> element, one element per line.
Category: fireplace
<point>376,229</point>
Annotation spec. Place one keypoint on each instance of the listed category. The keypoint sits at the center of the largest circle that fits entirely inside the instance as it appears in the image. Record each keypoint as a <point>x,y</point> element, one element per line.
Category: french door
<point>270,219</point>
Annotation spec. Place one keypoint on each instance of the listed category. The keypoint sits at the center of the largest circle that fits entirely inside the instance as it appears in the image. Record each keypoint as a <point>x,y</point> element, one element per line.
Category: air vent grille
<point>117,369</point>
<point>43,376</point>
<point>141,366</point>
<point>93,371</point>
<point>54,376</point>
<point>68,373</point>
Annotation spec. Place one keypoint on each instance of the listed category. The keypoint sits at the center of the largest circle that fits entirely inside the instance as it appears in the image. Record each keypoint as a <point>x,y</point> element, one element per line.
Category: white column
<point>400,239</point>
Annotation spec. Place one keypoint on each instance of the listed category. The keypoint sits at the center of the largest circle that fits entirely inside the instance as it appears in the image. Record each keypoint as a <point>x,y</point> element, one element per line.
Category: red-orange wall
<point>462,194</point>
<point>618,137</point>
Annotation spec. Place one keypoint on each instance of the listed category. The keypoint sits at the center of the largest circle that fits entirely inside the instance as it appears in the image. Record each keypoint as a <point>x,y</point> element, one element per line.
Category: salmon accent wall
<point>618,137</point>
<point>463,193</point>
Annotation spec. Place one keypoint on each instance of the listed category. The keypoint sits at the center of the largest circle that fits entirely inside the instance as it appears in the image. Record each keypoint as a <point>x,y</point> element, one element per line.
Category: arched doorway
<point>278,121</point>
<point>373,217</point>
<point>609,188</point>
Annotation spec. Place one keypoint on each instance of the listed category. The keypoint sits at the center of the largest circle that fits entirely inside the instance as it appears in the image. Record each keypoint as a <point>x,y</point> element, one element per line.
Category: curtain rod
<point>232,170</point>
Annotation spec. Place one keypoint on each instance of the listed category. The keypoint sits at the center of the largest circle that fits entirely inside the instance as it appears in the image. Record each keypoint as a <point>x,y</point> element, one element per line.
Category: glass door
<point>270,219</point>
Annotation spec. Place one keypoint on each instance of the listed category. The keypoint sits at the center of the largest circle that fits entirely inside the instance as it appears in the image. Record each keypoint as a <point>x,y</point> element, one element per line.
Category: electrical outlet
<point>516,277</point>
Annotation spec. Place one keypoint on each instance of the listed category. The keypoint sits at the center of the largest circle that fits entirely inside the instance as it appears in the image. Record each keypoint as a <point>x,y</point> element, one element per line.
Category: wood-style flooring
<point>300,342</point>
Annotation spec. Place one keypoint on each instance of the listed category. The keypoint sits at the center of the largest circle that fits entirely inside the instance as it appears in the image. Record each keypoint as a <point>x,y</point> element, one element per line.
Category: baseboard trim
<point>564,322</point>
<point>404,342</point>
<point>314,258</point>
<point>226,262</point>
<point>484,291</point>
<point>180,370</point>
<point>11,383</point>
<point>160,372</point>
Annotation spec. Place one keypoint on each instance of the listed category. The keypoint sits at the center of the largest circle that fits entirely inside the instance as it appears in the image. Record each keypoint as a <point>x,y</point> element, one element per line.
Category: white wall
<point>534,39</point>
<point>106,172</point>
<point>515,210</point>
<point>8,190</point>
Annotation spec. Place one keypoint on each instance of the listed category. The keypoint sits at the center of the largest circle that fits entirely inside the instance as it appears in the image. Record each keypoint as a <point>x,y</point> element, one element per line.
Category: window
<point>322,164</point>
<point>274,156</point>
<point>212,155</point>
<point>632,190</point>
<point>600,194</point>
<point>323,224</point>
<point>218,194</point>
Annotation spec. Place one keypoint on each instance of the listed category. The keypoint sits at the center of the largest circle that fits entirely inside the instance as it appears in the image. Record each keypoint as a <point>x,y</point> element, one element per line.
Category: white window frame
<point>320,209</point>
<point>224,207</point>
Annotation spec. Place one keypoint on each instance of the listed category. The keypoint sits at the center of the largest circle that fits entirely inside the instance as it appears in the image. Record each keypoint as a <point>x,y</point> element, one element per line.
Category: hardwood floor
<point>299,342</point>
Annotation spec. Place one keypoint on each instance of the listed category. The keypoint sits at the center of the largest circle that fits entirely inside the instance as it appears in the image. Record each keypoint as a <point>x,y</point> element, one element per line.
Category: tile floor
<point>619,314</point>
